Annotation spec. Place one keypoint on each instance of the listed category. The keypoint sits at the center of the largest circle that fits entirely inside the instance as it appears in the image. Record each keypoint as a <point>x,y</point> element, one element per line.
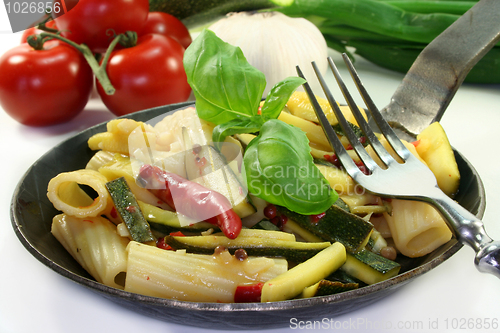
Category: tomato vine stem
<point>99,70</point>
<point>43,25</point>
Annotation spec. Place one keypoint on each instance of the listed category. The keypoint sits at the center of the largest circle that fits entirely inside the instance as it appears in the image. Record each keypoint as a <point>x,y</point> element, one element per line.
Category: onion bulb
<point>275,44</point>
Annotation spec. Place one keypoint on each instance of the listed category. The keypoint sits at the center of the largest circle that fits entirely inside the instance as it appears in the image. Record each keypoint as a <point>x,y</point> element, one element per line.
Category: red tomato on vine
<point>147,75</point>
<point>96,22</point>
<point>44,87</point>
<point>168,25</point>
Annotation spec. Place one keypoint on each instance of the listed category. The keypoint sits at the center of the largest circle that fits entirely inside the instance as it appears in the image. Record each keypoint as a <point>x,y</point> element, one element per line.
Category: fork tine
<point>353,139</point>
<point>332,137</point>
<point>379,149</point>
<point>384,127</point>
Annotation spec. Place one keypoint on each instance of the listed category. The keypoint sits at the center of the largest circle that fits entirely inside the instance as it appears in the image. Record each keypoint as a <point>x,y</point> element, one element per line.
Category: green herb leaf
<point>225,85</point>
<point>279,95</point>
<point>236,126</point>
<point>280,169</point>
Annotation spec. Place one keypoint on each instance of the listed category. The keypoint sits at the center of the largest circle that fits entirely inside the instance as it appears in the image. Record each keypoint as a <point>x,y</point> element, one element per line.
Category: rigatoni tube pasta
<point>194,277</point>
<point>66,195</point>
<point>275,43</point>
<point>94,243</point>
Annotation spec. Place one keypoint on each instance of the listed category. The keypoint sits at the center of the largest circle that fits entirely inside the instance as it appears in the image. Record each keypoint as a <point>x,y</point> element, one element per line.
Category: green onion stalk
<point>389,33</point>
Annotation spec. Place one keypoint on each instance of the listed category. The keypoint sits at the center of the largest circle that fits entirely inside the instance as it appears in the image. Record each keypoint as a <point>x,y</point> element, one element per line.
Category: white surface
<point>34,298</point>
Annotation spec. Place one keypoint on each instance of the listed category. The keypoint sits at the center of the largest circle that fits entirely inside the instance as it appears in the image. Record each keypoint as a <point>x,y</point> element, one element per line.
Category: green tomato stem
<point>98,70</point>
<point>128,39</point>
<point>43,25</point>
<point>101,71</point>
<point>35,41</point>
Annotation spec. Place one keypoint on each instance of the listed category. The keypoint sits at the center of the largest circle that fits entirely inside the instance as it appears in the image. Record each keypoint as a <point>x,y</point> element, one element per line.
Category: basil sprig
<point>228,92</point>
<point>280,169</point>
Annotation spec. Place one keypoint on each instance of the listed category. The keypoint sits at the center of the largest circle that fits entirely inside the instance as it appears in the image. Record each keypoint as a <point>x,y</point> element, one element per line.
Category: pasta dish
<point>239,199</point>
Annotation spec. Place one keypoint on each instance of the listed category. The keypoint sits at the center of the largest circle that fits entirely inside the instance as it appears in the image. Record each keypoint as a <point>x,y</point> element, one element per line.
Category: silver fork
<point>410,180</point>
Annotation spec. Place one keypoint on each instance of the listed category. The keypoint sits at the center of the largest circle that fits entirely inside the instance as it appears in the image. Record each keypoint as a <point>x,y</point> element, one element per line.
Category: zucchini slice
<point>253,246</point>
<point>326,287</point>
<point>370,267</point>
<point>265,225</point>
<point>341,276</point>
<point>260,233</point>
<point>167,221</point>
<point>127,207</point>
<point>337,225</point>
<point>376,242</point>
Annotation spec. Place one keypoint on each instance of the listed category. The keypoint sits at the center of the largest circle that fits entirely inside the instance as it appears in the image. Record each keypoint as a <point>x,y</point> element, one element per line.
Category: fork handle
<point>469,230</point>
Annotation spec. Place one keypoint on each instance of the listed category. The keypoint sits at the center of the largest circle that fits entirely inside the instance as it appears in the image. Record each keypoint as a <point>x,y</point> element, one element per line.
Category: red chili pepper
<point>334,160</point>
<point>114,213</point>
<point>191,199</point>
<point>248,293</point>
<point>315,218</point>
<point>160,243</point>
<point>363,168</point>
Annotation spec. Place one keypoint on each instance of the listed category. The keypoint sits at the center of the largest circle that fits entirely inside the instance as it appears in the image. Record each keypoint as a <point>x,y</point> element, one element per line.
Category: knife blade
<point>432,81</point>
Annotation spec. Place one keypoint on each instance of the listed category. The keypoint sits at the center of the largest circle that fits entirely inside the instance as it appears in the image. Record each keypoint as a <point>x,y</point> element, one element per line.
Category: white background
<point>33,298</point>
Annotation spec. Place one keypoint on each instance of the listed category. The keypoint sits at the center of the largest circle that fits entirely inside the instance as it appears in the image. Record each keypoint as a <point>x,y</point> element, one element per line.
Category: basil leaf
<point>279,168</point>
<point>279,96</point>
<point>225,85</point>
<point>236,126</point>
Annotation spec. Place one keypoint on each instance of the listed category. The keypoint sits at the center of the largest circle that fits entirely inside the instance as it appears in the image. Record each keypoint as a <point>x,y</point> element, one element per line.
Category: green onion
<point>389,33</point>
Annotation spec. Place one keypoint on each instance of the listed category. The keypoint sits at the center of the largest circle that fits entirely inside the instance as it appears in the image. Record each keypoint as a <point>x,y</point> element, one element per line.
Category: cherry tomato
<point>44,87</point>
<point>33,30</point>
<point>168,25</point>
<point>147,75</point>
<point>96,22</point>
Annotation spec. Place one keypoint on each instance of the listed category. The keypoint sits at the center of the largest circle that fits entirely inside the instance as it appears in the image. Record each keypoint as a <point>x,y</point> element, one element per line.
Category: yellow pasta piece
<point>300,106</point>
<point>417,228</point>
<point>117,136</point>
<point>313,131</point>
<point>359,199</point>
<point>95,245</point>
<point>307,273</point>
<point>435,149</point>
<point>338,179</point>
<point>66,195</point>
<point>318,153</point>
<point>364,203</point>
<point>194,277</point>
<point>99,159</point>
<point>346,111</point>
<point>388,147</point>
